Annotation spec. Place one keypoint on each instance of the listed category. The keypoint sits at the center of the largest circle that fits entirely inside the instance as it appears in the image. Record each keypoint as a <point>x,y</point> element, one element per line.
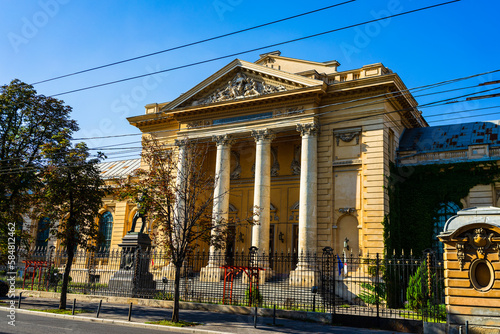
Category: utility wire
<point>402,92</point>
<point>6,170</point>
<point>253,50</point>
<point>193,43</point>
<point>380,97</point>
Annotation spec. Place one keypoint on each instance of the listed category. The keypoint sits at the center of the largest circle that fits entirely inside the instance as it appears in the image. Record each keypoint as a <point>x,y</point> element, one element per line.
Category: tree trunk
<point>177,279</point>
<point>67,270</point>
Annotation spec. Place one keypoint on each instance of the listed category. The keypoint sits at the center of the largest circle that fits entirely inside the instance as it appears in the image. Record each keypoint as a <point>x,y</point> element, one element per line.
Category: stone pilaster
<point>262,197</point>
<point>306,274</point>
<point>212,272</point>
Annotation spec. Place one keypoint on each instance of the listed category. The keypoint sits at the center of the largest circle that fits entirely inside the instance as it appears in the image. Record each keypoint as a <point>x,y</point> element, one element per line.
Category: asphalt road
<point>35,324</point>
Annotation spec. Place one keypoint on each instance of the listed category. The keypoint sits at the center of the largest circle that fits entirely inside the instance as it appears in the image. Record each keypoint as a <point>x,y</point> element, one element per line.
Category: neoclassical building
<point>305,143</point>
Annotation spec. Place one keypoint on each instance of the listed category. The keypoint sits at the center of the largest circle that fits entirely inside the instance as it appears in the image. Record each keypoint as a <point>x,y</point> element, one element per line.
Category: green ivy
<point>415,194</point>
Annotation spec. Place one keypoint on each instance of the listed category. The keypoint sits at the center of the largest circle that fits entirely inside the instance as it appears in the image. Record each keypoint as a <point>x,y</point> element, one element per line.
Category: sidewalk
<point>218,322</point>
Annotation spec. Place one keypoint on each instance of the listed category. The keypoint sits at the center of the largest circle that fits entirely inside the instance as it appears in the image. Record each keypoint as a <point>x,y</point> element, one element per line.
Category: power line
<point>253,50</point>
<point>5,171</point>
<point>401,92</point>
<point>193,43</point>
<point>380,97</point>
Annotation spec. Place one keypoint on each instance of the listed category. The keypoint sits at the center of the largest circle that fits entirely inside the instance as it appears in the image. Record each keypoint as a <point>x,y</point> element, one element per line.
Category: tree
<point>27,122</point>
<point>70,195</point>
<point>180,196</point>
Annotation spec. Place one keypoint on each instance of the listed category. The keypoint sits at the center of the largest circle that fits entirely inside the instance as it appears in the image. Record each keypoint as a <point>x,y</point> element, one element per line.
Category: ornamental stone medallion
<point>472,268</point>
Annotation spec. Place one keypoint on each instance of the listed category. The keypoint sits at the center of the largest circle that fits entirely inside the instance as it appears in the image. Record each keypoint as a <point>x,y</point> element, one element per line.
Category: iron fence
<point>375,286</point>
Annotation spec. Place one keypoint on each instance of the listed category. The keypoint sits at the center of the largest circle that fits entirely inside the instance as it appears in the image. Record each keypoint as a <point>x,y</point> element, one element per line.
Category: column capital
<point>310,129</point>
<point>181,142</point>
<point>264,134</point>
<point>224,140</point>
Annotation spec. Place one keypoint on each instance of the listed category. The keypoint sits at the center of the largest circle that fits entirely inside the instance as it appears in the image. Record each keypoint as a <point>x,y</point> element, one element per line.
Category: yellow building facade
<point>306,144</point>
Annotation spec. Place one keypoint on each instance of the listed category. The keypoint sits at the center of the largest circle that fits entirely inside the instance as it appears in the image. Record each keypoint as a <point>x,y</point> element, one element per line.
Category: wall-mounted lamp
<point>346,243</point>
<point>281,237</point>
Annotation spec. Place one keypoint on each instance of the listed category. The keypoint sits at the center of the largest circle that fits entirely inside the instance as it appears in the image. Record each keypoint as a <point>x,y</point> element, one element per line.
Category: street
<point>29,324</point>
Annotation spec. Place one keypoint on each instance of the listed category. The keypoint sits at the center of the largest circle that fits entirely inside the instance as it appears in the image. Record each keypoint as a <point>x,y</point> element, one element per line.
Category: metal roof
<point>118,169</point>
<point>450,137</point>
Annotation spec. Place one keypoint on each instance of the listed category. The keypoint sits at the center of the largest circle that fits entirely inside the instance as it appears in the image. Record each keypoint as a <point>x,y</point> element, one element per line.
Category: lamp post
<point>314,291</point>
<point>165,282</point>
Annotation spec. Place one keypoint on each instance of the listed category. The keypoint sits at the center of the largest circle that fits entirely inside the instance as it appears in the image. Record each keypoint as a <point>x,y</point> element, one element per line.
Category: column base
<point>169,272</point>
<point>305,278</point>
<point>211,274</point>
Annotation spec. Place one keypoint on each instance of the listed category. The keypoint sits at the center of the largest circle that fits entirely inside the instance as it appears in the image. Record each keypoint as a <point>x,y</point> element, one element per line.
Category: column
<point>180,183</point>
<point>262,197</point>
<point>306,274</point>
<point>220,212</point>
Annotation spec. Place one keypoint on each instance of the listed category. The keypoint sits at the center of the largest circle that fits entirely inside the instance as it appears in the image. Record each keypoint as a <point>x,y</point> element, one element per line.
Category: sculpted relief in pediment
<point>239,87</point>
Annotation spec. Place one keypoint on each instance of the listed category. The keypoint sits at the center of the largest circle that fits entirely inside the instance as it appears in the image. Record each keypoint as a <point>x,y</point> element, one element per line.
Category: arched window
<point>445,212</point>
<point>42,234</point>
<point>105,231</point>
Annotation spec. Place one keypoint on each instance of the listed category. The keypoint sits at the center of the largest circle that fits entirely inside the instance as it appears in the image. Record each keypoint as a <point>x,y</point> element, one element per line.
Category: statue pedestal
<point>133,279</point>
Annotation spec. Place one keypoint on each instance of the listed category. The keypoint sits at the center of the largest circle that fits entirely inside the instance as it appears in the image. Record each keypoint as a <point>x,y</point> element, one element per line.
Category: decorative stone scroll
<point>239,87</point>
<point>180,142</point>
<point>480,240</point>
<point>309,129</point>
<point>225,140</point>
<point>347,137</point>
<point>347,210</point>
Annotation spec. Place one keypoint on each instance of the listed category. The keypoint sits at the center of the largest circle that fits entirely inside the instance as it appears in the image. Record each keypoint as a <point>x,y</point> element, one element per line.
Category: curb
<point>117,322</point>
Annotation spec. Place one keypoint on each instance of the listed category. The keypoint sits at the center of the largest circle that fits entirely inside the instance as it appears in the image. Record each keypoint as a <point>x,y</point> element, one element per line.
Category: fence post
<point>377,287</point>
<point>98,309</point>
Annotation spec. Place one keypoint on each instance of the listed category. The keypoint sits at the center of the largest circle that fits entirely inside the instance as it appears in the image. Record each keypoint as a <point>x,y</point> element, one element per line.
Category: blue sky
<point>47,38</point>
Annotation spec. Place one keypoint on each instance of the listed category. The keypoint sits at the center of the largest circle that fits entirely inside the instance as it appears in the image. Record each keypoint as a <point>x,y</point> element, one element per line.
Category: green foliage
<point>70,195</point>
<point>416,291</point>
<point>373,293</point>
<point>161,295</point>
<point>255,298</point>
<point>180,323</point>
<point>415,194</point>
<point>27,122</point>
<point>57,311</point>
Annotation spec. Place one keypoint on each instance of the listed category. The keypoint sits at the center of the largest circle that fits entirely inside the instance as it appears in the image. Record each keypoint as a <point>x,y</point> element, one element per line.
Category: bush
<point>417,288</point>
<point>373,293</point>
<point>161,295</point>
<point>255,298</point>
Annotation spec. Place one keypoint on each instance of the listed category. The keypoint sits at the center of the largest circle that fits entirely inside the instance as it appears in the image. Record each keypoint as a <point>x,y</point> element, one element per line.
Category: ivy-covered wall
<point>415,195</point>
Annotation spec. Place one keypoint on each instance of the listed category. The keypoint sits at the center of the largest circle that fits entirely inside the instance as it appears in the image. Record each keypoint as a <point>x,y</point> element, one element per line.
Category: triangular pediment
<point>240,80</point>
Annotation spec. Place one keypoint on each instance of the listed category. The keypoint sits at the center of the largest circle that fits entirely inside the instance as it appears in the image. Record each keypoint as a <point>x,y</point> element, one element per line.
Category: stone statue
<point>141,213</point>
